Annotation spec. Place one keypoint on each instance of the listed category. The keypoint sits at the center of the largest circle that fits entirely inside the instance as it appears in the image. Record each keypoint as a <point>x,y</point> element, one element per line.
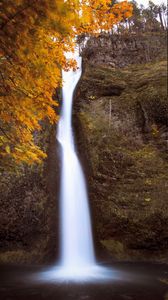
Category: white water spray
<point>77,261</point>
<point>77,251</point>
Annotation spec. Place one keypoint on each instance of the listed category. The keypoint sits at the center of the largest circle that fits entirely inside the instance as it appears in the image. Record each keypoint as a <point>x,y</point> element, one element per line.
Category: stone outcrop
<point>122,50</point>
<point>122,139</point>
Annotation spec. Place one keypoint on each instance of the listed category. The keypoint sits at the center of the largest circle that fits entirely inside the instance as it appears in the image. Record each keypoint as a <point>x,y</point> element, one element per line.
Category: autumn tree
<point>34,37</point>
<point>152,18</point>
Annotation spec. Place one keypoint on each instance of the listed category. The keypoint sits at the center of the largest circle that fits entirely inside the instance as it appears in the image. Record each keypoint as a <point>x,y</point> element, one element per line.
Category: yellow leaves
<point>128,14</point>
<point>34,43</point>
<point>3,140</point>
<point>101,15</point>
<point>148,182</point>
<point>92,97</point>
<point>147,199</point>
<point>154,130</point>
<point>7,149</point>
<point>28,155</point>
<point>70,63</point>
<point>51,114</point>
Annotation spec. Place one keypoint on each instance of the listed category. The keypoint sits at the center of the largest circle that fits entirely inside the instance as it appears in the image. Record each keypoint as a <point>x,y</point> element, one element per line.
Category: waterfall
<point>77,259</point>
<point>77,251</point>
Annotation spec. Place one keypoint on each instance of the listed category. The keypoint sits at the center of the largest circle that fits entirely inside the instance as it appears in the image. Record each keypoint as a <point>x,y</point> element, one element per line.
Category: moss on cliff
<point>28,207</point>
<point>123,114</point>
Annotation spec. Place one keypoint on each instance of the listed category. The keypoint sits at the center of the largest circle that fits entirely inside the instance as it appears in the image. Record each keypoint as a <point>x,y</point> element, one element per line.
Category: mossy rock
<point>122,141</point>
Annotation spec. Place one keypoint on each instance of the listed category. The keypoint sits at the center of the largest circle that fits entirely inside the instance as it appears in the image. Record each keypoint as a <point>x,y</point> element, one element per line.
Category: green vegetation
<point>126,132</point>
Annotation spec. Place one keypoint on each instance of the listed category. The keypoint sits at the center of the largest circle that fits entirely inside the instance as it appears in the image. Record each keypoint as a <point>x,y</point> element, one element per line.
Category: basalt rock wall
<point>121,126</point>
<point>122,50</point>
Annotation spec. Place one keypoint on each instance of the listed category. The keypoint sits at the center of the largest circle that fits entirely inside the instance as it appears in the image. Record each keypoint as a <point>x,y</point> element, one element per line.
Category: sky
<point>145,2</point>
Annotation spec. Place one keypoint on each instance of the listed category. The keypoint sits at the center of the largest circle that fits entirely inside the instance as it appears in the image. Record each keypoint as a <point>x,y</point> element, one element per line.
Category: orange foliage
<point>34,36</point>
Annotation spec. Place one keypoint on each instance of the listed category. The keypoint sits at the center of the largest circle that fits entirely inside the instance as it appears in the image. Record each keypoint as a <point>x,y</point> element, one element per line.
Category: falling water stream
<point>77,266</point>
<point>77,251</point>
<point>77,263</point>
<point>77,258</point>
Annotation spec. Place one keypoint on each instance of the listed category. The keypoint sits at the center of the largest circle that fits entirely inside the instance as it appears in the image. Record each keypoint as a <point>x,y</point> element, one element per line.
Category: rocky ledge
<point>121,126</point>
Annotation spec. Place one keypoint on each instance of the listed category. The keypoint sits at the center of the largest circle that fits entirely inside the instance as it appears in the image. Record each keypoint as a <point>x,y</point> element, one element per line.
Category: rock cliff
<point>121,125</point>
<point>122,50</point>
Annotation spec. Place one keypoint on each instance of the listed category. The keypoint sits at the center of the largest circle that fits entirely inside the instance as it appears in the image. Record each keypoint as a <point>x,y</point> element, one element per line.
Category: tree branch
<point>3,131</point>
<point>15,15</point>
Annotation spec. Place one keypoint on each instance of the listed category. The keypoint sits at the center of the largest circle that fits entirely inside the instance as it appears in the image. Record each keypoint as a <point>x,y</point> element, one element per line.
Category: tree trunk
<point>160,17</point>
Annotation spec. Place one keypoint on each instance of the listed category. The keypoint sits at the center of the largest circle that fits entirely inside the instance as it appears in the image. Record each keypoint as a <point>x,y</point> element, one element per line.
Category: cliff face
<point>123,50</point>
<point>29,210</point>
<point>121,125</point>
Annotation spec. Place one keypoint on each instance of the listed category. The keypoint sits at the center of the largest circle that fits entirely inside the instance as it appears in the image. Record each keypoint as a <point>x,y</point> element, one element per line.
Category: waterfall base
<point>140,281</point>
<point>77,274</point>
